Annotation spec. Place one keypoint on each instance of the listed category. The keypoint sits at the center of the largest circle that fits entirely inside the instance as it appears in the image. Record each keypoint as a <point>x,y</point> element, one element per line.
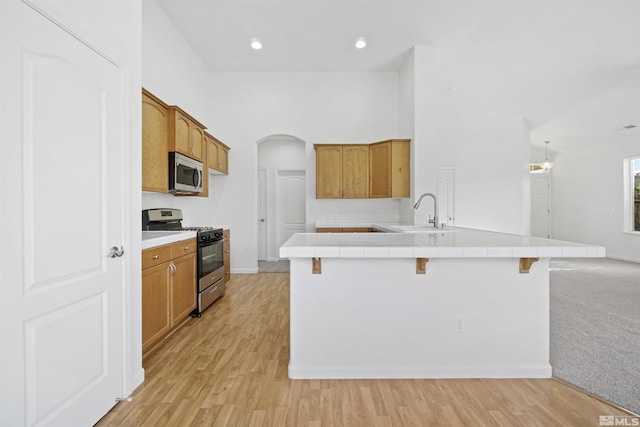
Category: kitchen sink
<point>421,228</point>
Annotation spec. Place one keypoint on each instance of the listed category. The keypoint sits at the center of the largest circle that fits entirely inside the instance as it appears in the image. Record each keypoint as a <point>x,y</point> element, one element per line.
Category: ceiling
<point>571,68</point>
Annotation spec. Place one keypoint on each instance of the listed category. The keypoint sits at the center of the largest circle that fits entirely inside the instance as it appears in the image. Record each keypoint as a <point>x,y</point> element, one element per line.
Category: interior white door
<point>446,192</point>
<point>291,197</point>
<point>61,305</point>
<point>262,194</point>
<point>540,205</point>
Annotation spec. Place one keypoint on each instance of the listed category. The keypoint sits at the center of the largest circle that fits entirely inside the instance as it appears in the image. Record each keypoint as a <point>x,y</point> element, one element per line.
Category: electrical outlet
<point>459,324</point>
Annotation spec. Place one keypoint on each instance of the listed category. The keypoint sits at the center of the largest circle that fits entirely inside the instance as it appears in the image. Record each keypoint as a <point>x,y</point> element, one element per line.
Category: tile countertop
<point>151,239</point>
<point>449,243</point>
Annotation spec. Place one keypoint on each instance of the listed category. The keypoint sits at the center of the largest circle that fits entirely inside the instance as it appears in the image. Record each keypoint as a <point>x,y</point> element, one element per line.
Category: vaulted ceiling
<point>571,68</point>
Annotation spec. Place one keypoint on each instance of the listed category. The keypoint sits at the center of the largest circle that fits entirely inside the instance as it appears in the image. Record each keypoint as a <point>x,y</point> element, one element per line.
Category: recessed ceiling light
<point>256,44</point>
<point>361,43</point>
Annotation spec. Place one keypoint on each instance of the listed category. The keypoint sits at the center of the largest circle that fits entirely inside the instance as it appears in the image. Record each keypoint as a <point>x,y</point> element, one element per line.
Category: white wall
<point>314,107</point>
<point>406,124</point>
<point>587,195</point>
<point>490,152</point>
<point>426,141</point>
<point>171,70</point>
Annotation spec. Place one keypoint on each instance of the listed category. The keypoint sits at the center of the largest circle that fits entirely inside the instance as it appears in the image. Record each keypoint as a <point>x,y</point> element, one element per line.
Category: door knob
<point>261,220</point>
<point>115,252</point>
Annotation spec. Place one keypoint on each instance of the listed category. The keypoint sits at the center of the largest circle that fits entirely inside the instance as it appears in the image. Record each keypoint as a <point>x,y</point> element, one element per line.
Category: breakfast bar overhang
<point>456,303</point>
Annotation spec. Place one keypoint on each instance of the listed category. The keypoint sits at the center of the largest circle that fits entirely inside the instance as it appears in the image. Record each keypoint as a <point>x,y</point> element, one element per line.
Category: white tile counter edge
<point>464,243</point>
<point>166,239</point>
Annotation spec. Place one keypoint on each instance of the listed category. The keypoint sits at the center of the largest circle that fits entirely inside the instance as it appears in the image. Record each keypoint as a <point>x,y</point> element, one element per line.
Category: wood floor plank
<point>229,368</point>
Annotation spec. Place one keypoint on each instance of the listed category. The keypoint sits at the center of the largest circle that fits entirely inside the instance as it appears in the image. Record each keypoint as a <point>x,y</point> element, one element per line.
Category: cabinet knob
<point>156,256</point>
<point>186,248</point>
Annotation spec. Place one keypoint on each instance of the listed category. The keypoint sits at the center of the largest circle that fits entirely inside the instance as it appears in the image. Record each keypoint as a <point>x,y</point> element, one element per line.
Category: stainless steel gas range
<point>210,267</point>
<point>210,256</point>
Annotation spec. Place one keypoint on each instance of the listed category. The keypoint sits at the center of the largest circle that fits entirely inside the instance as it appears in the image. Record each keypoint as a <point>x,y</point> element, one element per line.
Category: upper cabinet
<point>355,171</point>
<point>342,171</point>
<point>359,171</point>
<point>328,171</point>
<point>155,161</point>
<point>217,155</point>
<point>186,135</point>
<point>390,169</point>
<point>168,128</point>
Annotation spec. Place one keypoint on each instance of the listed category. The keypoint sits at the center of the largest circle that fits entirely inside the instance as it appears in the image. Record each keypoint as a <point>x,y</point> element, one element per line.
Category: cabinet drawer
<point>183,247</point>
<point>154,256</point>
<point>226,234</point>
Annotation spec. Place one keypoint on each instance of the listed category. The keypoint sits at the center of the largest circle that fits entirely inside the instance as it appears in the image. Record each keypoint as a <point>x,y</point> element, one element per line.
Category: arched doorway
<point>281,195</point>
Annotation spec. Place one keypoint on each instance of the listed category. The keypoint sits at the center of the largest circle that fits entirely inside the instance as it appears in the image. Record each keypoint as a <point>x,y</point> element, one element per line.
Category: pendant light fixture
<point>546,165</point>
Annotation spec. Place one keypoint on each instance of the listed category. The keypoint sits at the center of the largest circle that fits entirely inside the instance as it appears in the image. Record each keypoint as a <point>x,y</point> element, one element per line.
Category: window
<point>635,174</point>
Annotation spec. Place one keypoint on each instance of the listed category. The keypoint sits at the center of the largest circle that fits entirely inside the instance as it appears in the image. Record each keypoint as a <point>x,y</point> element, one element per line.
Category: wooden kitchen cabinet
<point>328,171</point>
<point>155,137</point>
<point>186,134</point>
<point>390,169</point>
<point>355,172</point>
<point>183,288</point>
<point>167,128</point>
<point>156,320</point>
<point>168,289</point>
<point>217,155</point>
<point>226,249</point>
<point>342,171</point>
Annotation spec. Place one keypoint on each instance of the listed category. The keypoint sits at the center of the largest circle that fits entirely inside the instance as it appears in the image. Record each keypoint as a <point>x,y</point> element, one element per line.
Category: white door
<point>262,194</point>
<point>446,191</point>
<point>291,199</point>
<point>540,205</point>
<point>61,294</point>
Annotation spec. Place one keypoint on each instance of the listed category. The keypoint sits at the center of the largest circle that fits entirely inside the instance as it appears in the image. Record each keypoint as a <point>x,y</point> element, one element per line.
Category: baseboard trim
<point>595,396</point>
<point>623,258</point>
<point>420,372</point>
<point>244,270</point>
<point>136,381</point>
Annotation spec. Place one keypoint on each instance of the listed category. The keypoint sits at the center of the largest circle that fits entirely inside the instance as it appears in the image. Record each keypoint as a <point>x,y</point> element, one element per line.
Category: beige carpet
<point>595,327</point>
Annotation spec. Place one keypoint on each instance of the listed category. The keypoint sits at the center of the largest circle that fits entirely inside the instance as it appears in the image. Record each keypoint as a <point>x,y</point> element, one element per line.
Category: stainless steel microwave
<point>185,174</point>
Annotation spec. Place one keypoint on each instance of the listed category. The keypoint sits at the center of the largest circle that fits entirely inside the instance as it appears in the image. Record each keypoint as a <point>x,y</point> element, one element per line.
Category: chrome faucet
<point>433,221</point>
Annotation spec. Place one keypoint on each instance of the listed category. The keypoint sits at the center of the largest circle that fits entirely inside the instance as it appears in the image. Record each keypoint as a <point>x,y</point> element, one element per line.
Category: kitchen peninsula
<point>421,303</point>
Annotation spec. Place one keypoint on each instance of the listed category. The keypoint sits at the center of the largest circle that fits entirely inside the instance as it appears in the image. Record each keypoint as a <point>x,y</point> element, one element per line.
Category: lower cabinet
<point>226,249</point>
<point>168,289</point>
<point>183,288</point>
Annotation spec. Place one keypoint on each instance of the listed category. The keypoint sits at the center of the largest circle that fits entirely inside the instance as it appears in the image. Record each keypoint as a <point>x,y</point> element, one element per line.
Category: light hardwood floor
<point>229,368</point>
